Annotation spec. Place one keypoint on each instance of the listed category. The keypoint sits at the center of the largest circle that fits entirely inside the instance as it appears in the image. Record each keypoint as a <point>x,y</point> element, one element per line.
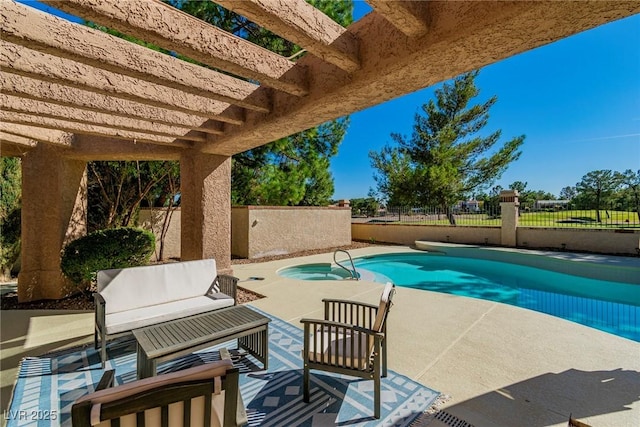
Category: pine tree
<point>445,160</point>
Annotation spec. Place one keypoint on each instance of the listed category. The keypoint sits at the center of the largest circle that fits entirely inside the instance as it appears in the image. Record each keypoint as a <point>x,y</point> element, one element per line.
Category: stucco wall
<point>152,219</point>
<point>571,239</point>
<point>282,230</point>
<point>575,239</point>
<point>407,234</point>
<point>240,231</point>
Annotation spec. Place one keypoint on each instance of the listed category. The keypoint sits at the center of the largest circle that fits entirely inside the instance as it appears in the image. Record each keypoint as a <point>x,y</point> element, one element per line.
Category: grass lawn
<point>556,219</point>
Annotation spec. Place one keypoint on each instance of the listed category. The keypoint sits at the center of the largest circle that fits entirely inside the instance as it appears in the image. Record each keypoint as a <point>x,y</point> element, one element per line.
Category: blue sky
<point>576,100</point>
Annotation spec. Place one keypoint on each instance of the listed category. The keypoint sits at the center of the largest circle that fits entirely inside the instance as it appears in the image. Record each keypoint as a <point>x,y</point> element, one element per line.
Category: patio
<point>500,364</point>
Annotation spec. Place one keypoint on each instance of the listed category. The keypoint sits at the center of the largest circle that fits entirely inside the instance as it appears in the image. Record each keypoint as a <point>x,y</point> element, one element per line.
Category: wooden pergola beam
<point>77,115</point>
<point>165,26</point>
<point>67,126</point>
<point>410,17</point>
<point>41,31</point>
<point>26,62</point>
<point>48,136</point>
<point>32,89</point>
<point>303,24</point>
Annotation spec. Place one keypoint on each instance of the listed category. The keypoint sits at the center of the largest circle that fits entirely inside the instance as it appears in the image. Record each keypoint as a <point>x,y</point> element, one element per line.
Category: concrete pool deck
<point>501,365</point>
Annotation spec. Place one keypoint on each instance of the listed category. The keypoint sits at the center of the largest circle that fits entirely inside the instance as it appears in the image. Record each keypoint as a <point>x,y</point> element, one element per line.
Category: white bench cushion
<point>138,318</point>
<point>136,287</point>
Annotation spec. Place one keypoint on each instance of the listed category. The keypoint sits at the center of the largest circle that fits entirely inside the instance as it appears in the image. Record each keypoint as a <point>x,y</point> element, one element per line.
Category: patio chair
<point>206,395</point>
<point>351,340</point>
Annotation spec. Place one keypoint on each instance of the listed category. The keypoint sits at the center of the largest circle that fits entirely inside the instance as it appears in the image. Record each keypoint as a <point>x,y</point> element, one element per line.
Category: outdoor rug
<point>47,386</point>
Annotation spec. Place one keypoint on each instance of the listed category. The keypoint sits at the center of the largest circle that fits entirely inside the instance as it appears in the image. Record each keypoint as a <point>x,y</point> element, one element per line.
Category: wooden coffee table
<point>169,340</point>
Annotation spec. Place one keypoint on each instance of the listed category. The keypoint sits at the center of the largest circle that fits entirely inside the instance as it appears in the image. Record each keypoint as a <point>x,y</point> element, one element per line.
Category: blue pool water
<point>609,306</point>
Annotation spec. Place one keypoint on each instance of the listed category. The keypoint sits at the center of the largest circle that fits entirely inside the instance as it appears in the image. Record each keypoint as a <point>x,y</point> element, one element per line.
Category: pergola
<point>71,94</point>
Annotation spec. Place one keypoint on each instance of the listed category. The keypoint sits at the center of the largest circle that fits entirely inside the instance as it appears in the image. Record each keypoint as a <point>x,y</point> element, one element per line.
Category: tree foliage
<point>117,190</point>
<point>446,159</point>
<point>367,206</point>
<point>10,210</point>
<point>631,180</point>
<point>596,188</point>
<point>568,193</point>
<point>290,171</point>
<point>529,197</point>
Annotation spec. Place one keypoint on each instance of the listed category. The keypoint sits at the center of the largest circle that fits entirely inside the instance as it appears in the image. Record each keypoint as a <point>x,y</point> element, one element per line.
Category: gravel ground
<point>9,301</point>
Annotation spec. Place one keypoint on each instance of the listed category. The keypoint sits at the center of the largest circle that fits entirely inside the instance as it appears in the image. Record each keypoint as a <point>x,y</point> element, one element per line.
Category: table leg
<point>265,346</point>
<point>257,344</point>
<point>145,368</point>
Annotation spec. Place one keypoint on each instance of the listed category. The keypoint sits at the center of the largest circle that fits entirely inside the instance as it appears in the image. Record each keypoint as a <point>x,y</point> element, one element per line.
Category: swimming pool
<point>610,306</point>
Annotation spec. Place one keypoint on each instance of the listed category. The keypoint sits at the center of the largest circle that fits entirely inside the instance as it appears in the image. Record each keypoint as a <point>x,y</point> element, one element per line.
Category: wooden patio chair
<point>206,395</point>
<point>351,340</point>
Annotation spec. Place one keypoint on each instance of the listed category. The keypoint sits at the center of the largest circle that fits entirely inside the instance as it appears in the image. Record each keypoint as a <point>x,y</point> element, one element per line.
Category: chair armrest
<point>350,312</point>
<point>318,324</point>
<point>107,380</point>
<point>229,286</point>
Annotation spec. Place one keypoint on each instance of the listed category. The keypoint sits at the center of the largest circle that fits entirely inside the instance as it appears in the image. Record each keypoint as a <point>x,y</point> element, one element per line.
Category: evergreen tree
<point>446,158</point>
<point>632,180</point>
<point>597,187</point>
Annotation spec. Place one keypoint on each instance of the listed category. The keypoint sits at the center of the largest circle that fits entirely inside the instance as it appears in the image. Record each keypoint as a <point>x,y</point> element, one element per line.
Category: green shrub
<point>10,196</point>
<point>9,242</point>
<point>105,249</point>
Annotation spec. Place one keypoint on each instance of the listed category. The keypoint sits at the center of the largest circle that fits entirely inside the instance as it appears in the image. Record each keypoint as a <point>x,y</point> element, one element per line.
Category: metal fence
<point>568,215</point>
<point>530,215</point>
<point>436,216</point>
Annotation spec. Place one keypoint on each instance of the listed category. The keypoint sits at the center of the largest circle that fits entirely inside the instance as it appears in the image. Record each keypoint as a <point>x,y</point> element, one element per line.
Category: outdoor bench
<point>136,297</point>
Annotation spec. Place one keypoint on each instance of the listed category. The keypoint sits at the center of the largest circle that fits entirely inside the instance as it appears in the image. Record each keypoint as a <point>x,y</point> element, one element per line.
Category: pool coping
<point>593,266</point>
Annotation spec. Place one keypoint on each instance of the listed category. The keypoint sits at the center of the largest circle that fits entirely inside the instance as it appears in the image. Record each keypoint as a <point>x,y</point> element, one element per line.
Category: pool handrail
<point>352,273</point>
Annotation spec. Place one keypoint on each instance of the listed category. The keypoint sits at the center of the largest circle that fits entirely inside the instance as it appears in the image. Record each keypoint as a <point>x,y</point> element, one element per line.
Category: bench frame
<point>228,285</point>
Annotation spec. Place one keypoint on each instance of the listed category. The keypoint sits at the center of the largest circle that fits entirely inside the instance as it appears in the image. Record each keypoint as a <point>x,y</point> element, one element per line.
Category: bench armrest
<point>100,304</point>
<point>228,285</point>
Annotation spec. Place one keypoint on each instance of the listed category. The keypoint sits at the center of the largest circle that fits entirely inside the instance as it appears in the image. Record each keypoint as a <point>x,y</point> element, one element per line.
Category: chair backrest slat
<point>186,412</point>
<point>164,416</point>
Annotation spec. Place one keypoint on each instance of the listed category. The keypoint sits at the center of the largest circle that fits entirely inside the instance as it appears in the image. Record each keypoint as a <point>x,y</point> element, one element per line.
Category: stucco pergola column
<point>205,181</point>
<point>54,212</point>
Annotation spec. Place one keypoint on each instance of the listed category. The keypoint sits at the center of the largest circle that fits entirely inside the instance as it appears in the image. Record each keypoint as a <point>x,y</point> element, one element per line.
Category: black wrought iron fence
<point>455,216</point>
<point>530,215</point>
<point>570,215</point>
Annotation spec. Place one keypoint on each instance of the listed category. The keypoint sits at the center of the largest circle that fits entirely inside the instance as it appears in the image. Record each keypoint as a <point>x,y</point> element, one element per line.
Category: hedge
<point>106,249</point>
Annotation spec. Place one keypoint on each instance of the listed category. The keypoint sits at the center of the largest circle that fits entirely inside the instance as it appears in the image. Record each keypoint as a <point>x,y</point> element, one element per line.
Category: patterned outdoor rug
<point>47,386</point>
